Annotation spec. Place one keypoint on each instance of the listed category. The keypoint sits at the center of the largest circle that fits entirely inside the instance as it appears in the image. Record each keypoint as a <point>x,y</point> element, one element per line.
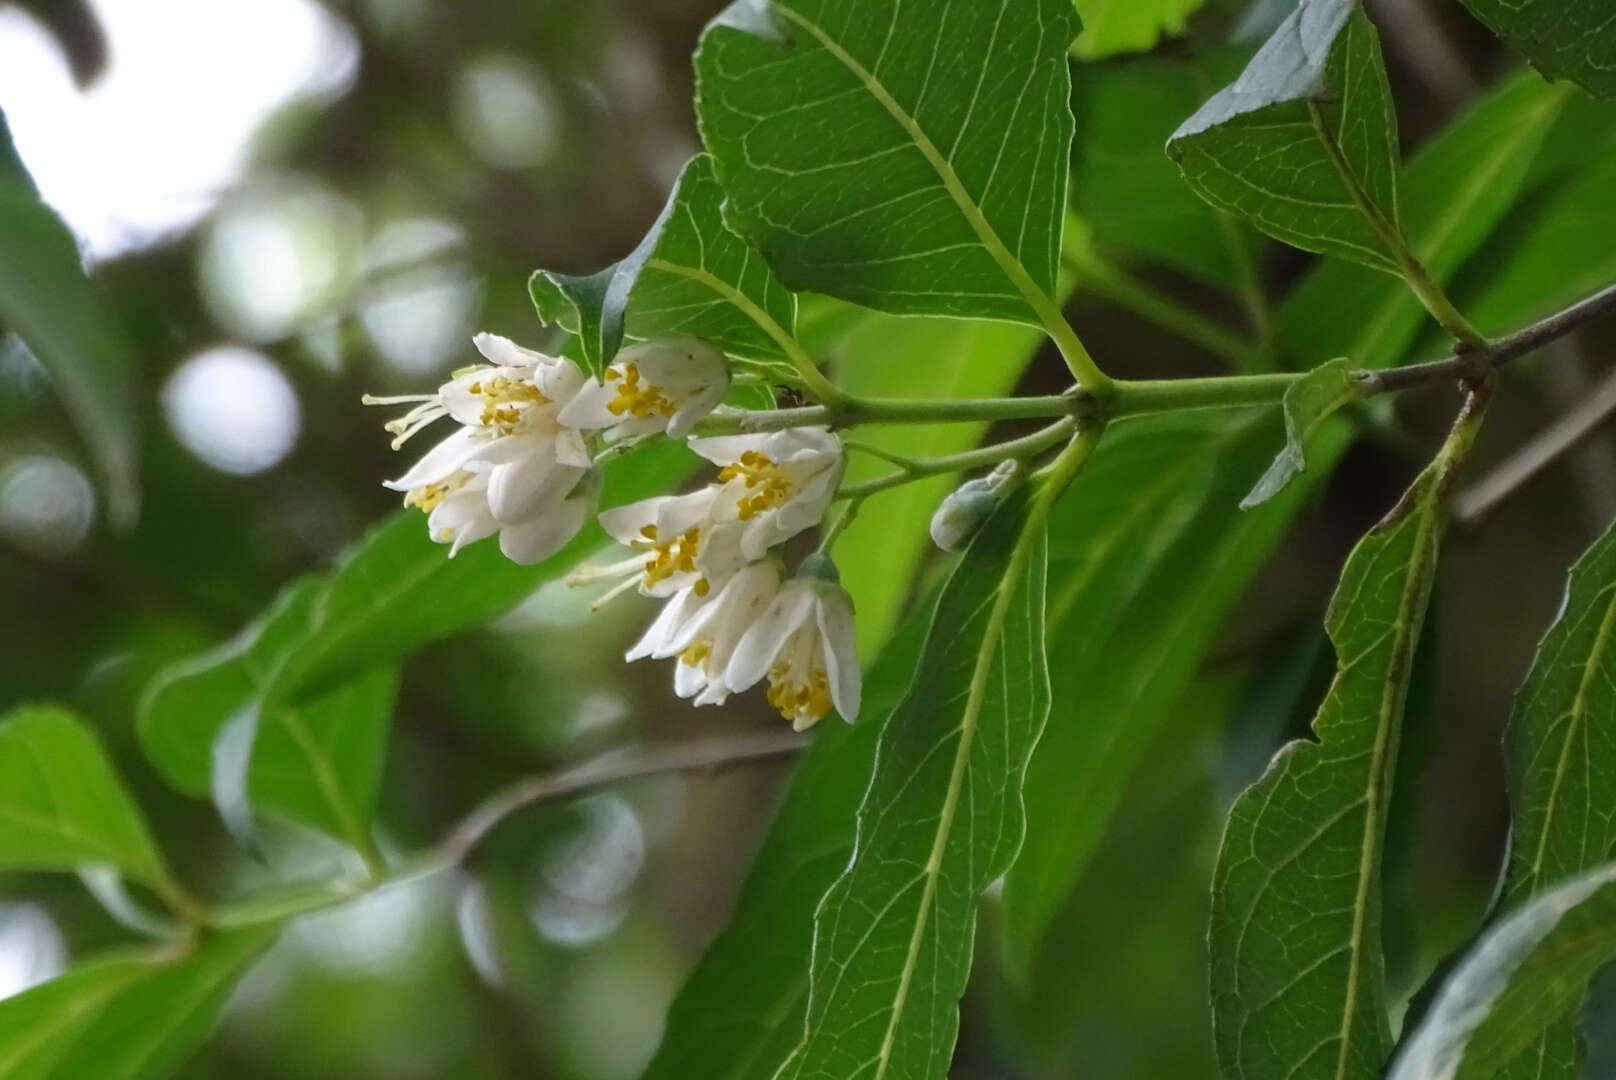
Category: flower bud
<point>962,513</point>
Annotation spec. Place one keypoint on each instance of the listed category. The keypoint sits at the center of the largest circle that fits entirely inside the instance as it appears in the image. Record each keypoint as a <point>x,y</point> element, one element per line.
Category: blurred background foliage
<point>286,203</point>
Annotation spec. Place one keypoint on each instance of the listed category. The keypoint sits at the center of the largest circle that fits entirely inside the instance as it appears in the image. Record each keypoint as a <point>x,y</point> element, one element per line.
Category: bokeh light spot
<point>46,504</point>
<point>233,408</point>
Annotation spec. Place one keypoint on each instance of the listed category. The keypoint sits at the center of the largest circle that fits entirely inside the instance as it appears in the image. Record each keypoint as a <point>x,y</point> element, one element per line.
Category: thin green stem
<point>1024,447</point>
<point>832,534</point>
<point>1135,397</point>
<point>902,462</point>
<point>894,411</point>
<point>1126,291</point>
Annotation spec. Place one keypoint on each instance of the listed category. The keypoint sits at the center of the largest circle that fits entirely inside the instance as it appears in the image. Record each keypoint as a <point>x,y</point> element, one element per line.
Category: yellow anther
<point>766,480</point>
<point>634,399</point>
<point>702,587</point>
<point>799,701</point>
<point>676,556</point>
<point>502,397</point>
<point>696,655</point>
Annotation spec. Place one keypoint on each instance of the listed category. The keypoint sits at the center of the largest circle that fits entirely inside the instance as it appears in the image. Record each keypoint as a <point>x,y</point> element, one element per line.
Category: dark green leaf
<point>1121,26</point>
<point>48,301</point>
<point>1297,968</point>
<point>1525,974</point>
<point>1562,765</point>
<point>1564,39</point>
<point>1304,143</point>
<point>940,820</point>
<point>1148,553</point>
<point>1309,401</point>
<point>1341,309</point>
<point>317,761</point>
<point>590,305</point>
<point>692,275</point>
<point>873,155</point>
<point>741,1011</point>
<point>890,537</point>
<point>61,804</point>
<point>1130,194</point>
<point>1455,193</point>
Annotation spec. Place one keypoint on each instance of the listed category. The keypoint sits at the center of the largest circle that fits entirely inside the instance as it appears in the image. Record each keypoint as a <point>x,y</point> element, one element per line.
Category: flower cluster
<point>519,464</point>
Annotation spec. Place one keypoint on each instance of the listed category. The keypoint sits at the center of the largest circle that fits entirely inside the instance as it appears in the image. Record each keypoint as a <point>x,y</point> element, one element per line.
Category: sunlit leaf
<point>128,1017</point>
<point>1309,401</point>
<point>1564,39</point>
<point>1121,26</point>
<point>1525,974</point>
<point>1304,143</point>
<point>940,820</point>
<point>61,804</point>
<point>47,300</point>
<point>863,171</point>
<point>1297,967</point>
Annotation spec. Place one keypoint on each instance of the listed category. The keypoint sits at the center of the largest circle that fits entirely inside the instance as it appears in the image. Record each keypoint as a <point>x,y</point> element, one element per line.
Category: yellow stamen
<point>766,480</point>
<point>503,399</point>
<point>799,701</point>
<point>632,398</point>
<point>696,655</point>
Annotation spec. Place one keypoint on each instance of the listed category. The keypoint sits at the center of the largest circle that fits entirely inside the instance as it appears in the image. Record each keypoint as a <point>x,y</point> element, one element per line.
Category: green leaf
<point>1564,39</point>
<point>1561,765</point>
<point>48,301</point>
<point>1525,974</point>
<point>125,1017</point>
<point>38,1026</point>
<point>862,170</point>
<point>1122,26</point>
<point>890,537</point>
<point>595,304</point>
<point>317,761</point>
<point>1129,193</point>
<point>1078,773</point>
<point>692,275</point>
<point>150,1028</point>
<point>741,1011</point>
<point>1149,552</point>
<point>940,820</point>
<point>1304,143</point>
<point>1458,189</point>
<point>61,804</point>
<point>1553,250</point>
<point>1297,968</point>
<point>1309,401</point>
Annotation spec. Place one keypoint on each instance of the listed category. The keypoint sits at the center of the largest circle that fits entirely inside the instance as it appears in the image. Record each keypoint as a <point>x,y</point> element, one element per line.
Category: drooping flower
<point>804,642</point>
<point>652,387</point>
<point>704,632</point>
<point>775,484</point>
<point>678,545</point>
<point>510,466</point>
<point>959,516</point>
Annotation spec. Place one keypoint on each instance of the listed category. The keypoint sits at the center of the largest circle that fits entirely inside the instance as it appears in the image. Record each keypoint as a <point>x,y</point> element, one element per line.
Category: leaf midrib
<point>1036,298</point>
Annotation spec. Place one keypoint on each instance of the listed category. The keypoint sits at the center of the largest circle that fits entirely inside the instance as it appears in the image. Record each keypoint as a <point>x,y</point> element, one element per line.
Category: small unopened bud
<point>962,513</point>
<point>819,567</point>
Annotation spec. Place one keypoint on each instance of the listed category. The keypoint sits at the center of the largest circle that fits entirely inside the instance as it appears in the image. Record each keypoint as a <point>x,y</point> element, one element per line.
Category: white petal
<point>588,409</point>
<point>539,539</point>
<point>570,448</point>
<point>836,637</point>
<point>727,449</point>
<point>441,462</point>
<point>625,524</point>
<point>503,352</point>
<point>761,643</point>
<point>688,680</point>
<point>559,379</point>
<point>678,514</point>
<point>668,621</point>
<point>697,406</point>
<point>528,486</point>
<point>715,694</point>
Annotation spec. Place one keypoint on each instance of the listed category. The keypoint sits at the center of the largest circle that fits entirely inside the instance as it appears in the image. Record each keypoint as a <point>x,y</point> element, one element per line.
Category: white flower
<point>652,387</point>
<point>510,467</point>
<point>679,546</point>
<point>777,484</point>
<point>703,633</point>
<point>804,643</point>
